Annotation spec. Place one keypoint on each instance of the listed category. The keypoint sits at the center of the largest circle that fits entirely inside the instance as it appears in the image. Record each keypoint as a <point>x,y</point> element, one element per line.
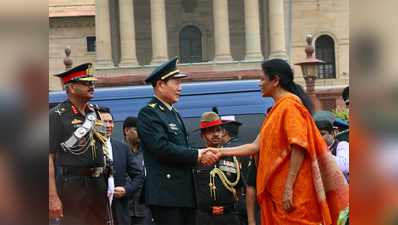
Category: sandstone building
<point>215,39</point>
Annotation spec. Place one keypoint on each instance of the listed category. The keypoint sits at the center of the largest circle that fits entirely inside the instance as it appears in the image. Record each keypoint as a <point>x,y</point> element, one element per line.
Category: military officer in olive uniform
<point>78,193</point>
<point>219,185</point>
<point>169,188</point>
<point>344,135</point>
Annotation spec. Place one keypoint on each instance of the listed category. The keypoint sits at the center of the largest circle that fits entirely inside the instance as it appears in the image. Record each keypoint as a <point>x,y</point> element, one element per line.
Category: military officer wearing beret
<point>78,193</point>
<point>344,135</point>
<point>219,185</point>
<point>169,188</point>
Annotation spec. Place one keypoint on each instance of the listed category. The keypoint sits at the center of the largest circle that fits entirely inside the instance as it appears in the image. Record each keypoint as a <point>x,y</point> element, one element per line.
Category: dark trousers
<point>139,220</point>
<point>241,210</point>
<point>83,198</point>
<point>210,219</point>
<point>173,215</point>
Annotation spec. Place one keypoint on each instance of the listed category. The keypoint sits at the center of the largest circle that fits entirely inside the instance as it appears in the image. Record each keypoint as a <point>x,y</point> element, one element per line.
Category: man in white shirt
<point>124,162</point>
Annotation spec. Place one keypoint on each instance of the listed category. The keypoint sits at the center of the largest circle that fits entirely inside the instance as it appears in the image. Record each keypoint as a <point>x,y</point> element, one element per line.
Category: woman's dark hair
<point>324,125</point>
<point>281,68</point>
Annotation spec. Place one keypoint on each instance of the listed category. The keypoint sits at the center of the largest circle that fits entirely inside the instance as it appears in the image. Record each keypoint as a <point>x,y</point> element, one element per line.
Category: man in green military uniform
<point>219,185</point>
<point>169,188</point>
<point>344,135</point>
<point>77,135</point>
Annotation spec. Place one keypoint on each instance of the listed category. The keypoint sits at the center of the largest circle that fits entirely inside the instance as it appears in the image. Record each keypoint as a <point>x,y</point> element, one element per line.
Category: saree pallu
<point>320,191</point>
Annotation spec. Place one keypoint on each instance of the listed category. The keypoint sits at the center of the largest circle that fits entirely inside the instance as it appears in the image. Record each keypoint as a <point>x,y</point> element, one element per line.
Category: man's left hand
<point>119,192</point>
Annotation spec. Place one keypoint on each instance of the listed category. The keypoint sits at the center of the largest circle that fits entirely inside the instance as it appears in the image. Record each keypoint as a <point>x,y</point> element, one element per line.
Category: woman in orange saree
<point>298,180</point>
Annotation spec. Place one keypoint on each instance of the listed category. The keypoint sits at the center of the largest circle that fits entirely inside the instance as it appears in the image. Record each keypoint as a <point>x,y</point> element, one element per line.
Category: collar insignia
<point>161,108</point>
<point>152,105</point>
<point>74,110</point>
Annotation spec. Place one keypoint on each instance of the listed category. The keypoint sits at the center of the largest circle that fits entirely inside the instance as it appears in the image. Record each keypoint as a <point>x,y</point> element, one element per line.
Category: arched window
<point>190,45</point>
<point>324,50</point>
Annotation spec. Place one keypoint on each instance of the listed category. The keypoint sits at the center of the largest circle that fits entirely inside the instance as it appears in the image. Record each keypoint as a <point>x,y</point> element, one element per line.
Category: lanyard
<point>230,141</point>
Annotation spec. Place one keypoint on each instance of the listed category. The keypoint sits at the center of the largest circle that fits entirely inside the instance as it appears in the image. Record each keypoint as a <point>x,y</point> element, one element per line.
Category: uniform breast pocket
<point>174,131</point>
<point>202,173</point>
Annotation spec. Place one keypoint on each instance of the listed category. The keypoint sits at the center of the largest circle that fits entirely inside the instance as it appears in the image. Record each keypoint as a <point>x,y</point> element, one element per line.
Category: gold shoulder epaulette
<point>152,105</point>
<point>342,132</point>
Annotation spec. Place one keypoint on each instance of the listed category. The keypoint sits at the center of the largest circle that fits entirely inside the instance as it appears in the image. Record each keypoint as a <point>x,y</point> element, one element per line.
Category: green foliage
<point>341,113</point>
<point>343,216</point>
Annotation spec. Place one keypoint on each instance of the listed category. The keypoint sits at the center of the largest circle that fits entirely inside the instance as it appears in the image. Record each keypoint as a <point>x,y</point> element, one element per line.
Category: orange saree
<point>320,191</point>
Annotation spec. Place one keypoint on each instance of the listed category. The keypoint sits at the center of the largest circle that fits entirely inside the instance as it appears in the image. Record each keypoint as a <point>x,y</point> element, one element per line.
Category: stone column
<point>103,34</point>
<point>277,30</point>
<point>221,31</point>
<point>127,34</point>
<point>159,35</point>
<point>252,28</point>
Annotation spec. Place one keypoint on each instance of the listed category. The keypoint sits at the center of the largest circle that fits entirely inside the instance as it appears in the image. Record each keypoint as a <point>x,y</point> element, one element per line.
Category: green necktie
<point>176,114</point>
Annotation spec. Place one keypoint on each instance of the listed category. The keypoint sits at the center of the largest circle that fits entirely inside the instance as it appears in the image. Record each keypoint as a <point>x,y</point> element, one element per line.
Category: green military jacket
<point>169,160</point>
<point>343,136</point>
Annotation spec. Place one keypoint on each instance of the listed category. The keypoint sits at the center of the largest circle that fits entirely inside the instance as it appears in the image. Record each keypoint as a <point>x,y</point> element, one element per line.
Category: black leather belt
<point>217,209</point>
<point>89,172</point>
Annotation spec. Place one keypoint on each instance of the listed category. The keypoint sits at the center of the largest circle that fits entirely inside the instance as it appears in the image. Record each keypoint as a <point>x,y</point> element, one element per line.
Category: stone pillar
<point>103,34</point>
<point>127,34</point>
<point>221,31</point>
<point>159,35</point>
<point>277,30</point>
<point>252,29</point>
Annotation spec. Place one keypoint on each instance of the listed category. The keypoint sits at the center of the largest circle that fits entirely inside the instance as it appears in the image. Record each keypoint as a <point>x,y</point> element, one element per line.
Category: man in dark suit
<point>124,162</point>
<point>169,189</point>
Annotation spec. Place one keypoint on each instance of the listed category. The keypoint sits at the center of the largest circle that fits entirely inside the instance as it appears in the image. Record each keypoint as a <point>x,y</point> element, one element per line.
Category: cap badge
<point>177,62</point>
<point>88,70</point>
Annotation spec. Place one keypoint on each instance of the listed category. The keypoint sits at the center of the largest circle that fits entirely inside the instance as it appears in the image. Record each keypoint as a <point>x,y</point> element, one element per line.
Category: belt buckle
<point>218,210</point>
<point>96,172</point>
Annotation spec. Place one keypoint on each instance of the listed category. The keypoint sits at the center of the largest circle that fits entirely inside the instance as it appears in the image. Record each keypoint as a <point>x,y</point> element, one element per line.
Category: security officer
<point>344,135</point>
<point>230,139</point>
<point>219,185</point>
<point>169,188</point>
<point>78,193</point>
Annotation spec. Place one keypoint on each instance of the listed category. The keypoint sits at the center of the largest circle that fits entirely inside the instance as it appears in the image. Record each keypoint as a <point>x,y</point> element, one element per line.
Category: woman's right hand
<point>287,199</point>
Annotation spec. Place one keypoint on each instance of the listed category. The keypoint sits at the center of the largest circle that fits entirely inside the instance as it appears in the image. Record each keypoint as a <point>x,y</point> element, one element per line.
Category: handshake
<point>210,156</point>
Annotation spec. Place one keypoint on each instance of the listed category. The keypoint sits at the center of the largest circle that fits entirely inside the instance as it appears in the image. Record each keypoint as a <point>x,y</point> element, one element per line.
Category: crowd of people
<point>295,172</point>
